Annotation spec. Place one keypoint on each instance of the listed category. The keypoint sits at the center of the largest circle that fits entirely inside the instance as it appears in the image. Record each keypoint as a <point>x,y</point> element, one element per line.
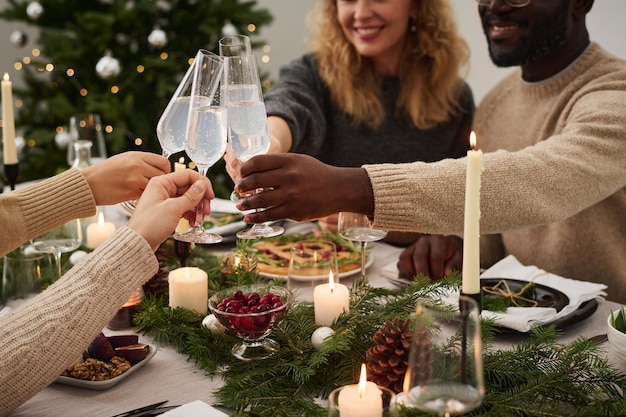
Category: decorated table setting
<point>192,358</point>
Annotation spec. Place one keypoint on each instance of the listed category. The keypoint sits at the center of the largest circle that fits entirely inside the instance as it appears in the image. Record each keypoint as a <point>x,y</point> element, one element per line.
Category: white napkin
<point>194,409</point>
<point>523,318</point>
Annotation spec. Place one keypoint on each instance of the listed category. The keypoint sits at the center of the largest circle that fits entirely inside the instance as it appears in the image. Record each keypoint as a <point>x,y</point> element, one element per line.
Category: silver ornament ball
<point>229,30</point>
<point>157,38</point>
<point>18,38</point>
<point>62,139</point>
<point>319,336</point>
<point>108,67</point>
<point>34,10</point>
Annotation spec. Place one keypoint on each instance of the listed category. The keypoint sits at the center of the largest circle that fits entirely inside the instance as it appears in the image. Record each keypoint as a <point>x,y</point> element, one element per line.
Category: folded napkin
<point>523,318</point>
<point>194,409</point>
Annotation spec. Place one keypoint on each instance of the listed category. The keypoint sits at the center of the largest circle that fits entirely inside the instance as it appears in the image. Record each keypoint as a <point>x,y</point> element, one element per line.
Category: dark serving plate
<point>548,297</point>
<point>544,296</point>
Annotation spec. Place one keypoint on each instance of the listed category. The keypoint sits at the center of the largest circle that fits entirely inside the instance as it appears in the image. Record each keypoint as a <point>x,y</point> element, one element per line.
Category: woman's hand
<point>124,176</point>
<point>167,199</point>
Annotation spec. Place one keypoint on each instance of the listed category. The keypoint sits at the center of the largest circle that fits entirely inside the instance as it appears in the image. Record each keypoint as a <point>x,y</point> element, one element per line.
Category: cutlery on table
<point>139,411</point>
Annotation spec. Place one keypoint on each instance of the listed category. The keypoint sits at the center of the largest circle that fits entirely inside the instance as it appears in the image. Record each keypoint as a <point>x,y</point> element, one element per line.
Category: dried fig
<point>133,353</point>
<point>101,349</point>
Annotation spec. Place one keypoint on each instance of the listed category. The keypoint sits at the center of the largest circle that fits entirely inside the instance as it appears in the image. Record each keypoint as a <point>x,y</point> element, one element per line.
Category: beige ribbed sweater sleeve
<point>29,212</point>
<point>49,332</point>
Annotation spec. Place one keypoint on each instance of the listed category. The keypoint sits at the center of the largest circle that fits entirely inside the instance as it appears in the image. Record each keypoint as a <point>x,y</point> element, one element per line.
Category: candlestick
<point>8,123</point>
<point>188,289</point>
<point>364,399</point>
<point>471,234</point>
<point>98,232</point>
<point>329,301</point>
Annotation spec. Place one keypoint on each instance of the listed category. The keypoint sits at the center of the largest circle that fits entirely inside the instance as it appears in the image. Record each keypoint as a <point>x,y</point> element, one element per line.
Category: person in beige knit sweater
<point>554,135</point>
<point>43,336</point>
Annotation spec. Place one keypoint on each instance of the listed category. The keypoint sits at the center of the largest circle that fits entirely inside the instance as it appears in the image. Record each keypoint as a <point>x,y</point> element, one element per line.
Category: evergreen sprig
<point>540,377</point>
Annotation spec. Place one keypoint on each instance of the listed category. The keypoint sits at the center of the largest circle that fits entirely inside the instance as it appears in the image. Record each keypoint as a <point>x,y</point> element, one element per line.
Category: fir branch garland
<point>539,377</point>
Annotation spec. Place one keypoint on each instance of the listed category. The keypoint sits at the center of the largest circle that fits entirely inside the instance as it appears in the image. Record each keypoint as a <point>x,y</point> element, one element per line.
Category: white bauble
<point>229,30</point>
<point>319,335</point>
<point>34,10</point>
<point>62,139</point>
<point>18,38</point>
<point>157,38</point>
<point>77,256</point>
<point>108,67</point>
<point>213,324</point>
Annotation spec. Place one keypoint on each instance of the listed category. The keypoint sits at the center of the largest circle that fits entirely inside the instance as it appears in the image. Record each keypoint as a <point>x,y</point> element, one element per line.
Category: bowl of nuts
<point>251,312</point>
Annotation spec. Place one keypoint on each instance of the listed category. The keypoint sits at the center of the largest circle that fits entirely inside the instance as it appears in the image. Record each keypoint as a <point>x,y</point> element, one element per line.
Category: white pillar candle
<point>329,301</point>
<point>188,288</point>
<point>98,232</point>
<point>471,234</point>
<point>8,123</point>
<point>364,399</point>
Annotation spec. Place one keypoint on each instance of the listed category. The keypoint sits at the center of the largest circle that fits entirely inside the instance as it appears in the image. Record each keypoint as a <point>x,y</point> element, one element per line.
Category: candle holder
<point>478,297</point>
<point>11,172</point>
<point>361,407</point>
<point>123,319</point>
<point>182,250</point>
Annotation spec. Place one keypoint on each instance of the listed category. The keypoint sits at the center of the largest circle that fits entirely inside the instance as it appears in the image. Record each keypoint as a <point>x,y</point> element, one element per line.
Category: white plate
<point>305,278</point>
<point>104,385</point>
<point>228,229</point>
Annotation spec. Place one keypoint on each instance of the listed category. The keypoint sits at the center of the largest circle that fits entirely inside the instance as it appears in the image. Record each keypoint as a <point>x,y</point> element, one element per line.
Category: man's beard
<point>536,46</point>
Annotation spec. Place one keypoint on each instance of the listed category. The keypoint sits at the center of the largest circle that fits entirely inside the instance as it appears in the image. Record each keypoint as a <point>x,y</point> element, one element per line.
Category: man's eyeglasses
<point>512,3</point>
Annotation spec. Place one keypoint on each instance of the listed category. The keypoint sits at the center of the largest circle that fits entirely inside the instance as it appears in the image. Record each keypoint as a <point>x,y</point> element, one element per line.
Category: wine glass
<point>358,228</point>
<point>206,137</point>
<point>65,238</point>
<point>171,128</point>
<point>248,133</point>
<point>445,372</point>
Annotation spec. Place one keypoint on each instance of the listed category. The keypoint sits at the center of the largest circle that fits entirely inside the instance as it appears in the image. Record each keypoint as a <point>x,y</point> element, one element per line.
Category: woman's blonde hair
<point>430,79</point>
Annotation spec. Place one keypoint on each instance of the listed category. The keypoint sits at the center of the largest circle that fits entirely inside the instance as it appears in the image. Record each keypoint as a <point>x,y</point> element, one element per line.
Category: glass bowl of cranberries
<point>251,312</point>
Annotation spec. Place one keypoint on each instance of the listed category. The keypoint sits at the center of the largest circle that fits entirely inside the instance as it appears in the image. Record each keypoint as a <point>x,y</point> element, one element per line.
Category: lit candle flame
<point>473,140</point>
<point>6,76</point>
<point>331,282</point>
<point>187,273</point>
<point>237,260</point>
<point>101,219</point>
<point>362,381</point>
<point>181,160</point>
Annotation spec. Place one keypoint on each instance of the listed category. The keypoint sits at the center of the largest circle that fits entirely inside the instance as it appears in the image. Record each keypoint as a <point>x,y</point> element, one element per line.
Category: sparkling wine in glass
<point>207,127</point>
<point>358,228</point>
<point>445,373</point>
<point>65,238</point>
<point>248,133</point>
<point>171,128</point>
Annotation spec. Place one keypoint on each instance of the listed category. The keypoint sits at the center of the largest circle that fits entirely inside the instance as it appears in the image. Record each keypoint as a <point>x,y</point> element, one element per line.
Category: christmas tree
<point>122,59</point>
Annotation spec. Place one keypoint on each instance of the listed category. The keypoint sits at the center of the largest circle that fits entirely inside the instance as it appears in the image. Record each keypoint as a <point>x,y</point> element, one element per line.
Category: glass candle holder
<point>123,319</point>
<point>372,401</point>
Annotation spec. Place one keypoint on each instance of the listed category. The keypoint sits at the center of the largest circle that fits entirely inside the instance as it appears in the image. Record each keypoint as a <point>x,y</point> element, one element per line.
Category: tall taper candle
<point>8,122</point>
<point>471,234</point>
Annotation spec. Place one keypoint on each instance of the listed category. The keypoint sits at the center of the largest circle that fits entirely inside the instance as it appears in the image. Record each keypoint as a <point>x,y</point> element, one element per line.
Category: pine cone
<point>158,285</point>
<point>388,359</point>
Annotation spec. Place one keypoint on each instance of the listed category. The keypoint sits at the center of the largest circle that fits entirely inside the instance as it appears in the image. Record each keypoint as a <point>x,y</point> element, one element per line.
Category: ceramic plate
<point>104,385</point>
<point>305,278</point>
<point>542,295</point>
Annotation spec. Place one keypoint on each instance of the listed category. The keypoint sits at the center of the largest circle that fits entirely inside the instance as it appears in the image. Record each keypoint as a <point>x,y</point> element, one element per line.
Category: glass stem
<point>57,260</point>
<point>363,259</point>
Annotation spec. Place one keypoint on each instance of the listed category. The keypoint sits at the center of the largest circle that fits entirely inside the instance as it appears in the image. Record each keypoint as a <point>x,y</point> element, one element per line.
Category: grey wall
<point>287,37</point>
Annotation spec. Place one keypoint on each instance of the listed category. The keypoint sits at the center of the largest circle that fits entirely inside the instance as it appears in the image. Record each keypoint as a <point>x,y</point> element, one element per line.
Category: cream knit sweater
<point>49,332</point>
<point>554,180</point>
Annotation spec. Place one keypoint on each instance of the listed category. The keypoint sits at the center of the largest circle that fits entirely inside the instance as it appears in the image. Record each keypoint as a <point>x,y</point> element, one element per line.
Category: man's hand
<point>432,255</point>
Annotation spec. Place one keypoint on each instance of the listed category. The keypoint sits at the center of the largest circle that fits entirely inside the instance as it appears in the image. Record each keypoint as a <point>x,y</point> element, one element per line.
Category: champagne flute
<point>65,238</point>
<point>248,133</point>
<point>206,136</point>
<point>445,373</point>
<point>171,128</point>
<point>358,228</point>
